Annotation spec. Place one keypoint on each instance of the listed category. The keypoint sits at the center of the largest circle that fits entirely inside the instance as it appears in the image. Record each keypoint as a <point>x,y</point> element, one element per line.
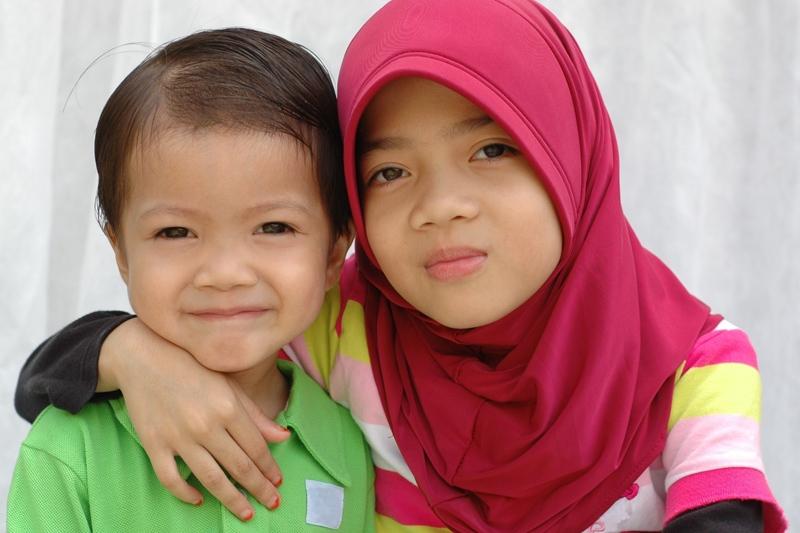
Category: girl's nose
<point>225,268</point>
<point>444,199</point>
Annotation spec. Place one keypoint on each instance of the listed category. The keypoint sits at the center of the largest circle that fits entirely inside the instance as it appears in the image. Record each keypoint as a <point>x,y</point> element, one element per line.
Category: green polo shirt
<point>89,472</point>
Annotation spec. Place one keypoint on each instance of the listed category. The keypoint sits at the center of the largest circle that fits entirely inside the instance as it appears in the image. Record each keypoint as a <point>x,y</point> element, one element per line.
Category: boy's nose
<point>445,198</point>
<point>224,268</point>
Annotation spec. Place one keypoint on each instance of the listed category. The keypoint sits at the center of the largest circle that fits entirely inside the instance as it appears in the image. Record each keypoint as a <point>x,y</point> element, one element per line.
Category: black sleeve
<point>732,516</point>
<point>63,369</point>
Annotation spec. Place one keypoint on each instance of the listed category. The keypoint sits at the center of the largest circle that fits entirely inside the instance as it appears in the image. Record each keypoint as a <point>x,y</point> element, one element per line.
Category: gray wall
<point>705,97</point>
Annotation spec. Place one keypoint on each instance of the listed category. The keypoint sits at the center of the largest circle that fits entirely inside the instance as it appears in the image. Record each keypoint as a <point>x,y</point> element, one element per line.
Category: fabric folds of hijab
<point>541,420</point>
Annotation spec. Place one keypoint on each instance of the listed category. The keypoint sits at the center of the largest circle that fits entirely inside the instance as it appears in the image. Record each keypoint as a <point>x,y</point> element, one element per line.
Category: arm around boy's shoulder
<point>712,452</point>
<point>63,369</point>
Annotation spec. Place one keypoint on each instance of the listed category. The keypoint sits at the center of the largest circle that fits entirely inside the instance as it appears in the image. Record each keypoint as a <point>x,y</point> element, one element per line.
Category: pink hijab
<point>541,420</point>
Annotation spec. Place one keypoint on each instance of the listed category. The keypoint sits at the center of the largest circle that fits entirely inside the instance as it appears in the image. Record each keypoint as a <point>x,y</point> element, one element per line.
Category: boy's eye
<point>174,232</point>
<point>494,151</point>
<point>275,228</point>
<point>388,174</point>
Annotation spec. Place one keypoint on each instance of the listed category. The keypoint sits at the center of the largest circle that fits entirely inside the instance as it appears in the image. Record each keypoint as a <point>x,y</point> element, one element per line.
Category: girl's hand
<point>180,408</point>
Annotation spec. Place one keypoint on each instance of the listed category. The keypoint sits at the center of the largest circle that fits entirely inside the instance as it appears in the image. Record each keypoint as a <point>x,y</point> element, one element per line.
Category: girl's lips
<point>454,263</point>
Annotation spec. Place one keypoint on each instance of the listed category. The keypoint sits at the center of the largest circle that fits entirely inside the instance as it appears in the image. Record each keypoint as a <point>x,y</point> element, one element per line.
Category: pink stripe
<point>351,288</point>
<point>711,442</point>
<point>352,384</point>
<point>305,360</point>
<point>402,501</point>
<point>725,484</point>
<point>722,346</point>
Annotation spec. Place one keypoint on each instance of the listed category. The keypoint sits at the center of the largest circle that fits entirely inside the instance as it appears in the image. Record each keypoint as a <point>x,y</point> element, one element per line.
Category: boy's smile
<point>454,214</point>
<point>225,244</point>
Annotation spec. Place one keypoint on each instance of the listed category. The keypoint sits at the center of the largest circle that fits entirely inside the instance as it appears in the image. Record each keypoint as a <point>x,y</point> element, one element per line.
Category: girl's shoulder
<point>712,451</point>
<point>719,378</point>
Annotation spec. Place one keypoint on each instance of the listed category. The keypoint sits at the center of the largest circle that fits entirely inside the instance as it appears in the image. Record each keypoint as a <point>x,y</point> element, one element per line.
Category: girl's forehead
<point>400,104</point>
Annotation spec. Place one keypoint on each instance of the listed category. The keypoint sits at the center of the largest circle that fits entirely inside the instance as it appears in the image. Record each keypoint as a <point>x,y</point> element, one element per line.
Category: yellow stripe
<point>724,388</point>
<point>321,337</point>
<point>384,524</point>
<point>354,334</point>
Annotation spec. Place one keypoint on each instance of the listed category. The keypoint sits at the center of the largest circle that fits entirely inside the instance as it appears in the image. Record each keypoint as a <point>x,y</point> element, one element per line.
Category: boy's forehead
<point>265,171</point>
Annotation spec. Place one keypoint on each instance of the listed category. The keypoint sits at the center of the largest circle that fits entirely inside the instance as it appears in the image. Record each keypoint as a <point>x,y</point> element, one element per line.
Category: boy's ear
<point>337,255</point>
<point>119,252</point>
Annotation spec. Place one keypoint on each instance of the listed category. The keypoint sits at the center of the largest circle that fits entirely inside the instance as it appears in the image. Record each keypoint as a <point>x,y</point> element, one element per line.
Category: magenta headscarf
<point>541,420</point>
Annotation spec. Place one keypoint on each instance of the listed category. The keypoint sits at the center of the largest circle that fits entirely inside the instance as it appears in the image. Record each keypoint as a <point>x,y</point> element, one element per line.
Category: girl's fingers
<point>213,478</point>
<point>265,474</point>
<point>247,460</point>
<point>249,476</point>
<point>167,472</point>
<point>269,429</point>
<point>250,432</point>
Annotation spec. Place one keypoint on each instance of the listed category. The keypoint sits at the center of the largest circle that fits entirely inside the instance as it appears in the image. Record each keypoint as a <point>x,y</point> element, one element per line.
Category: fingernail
<point>278,482</point>
<point>285,429</point>
<point>275,503</point>
<point>246,515</point>
<point>198,502</point>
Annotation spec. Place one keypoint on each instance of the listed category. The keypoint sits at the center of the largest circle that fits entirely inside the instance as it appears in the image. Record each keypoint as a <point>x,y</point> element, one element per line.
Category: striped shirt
<point>711,454</point>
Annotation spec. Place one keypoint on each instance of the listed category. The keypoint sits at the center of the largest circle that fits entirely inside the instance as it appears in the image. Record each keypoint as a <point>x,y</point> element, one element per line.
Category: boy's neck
<point>266,386</point>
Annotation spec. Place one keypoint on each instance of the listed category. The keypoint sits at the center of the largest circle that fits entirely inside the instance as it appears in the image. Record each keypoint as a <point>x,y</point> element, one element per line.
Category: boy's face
<point>225,245</point>
<point>456,217</point>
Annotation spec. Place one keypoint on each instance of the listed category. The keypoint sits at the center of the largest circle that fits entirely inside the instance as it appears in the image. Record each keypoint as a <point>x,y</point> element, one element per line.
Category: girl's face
<point>455,216</point>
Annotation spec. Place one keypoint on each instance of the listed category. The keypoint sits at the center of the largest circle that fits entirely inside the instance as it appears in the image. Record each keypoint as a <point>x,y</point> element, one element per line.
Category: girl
<point>530,366</point>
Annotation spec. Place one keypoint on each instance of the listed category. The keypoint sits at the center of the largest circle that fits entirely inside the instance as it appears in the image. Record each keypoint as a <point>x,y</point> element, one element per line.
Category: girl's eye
<point>275,228</point>
<point>174,232</point>
<point>494,151</point>
<point>385,175</point>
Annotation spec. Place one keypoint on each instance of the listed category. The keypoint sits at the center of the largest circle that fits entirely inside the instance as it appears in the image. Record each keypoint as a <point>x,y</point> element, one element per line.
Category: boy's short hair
<point>234,78</point>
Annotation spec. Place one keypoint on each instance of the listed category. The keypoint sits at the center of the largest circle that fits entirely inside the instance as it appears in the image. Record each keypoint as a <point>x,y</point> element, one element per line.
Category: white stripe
<point>724,325</point>
<point>385,453</point>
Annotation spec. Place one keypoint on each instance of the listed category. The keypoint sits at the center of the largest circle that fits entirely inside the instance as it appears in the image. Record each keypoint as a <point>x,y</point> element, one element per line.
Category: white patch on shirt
<point>324,504</point>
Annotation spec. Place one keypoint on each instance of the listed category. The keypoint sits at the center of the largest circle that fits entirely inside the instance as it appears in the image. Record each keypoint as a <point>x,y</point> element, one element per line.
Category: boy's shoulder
<point>311,406</point>
<point>54,426</point>
<point>326,428</point>
<point>66,437</point>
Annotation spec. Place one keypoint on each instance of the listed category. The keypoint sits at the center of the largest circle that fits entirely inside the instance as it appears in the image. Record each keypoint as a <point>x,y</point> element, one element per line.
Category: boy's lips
<point>448,264</point>
<point>229,313</point>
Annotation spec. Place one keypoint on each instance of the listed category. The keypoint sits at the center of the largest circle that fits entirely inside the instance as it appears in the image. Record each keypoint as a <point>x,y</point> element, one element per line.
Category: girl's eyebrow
<point>383,143</point>
<point>465,126</point>
<point>462,127</point>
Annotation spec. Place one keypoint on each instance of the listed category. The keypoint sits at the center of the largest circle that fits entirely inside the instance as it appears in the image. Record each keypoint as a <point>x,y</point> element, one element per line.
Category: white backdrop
<point>705,97</point>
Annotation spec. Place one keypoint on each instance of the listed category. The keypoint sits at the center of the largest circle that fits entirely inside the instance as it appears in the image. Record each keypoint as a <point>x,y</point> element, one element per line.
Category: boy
<point>219,189</point>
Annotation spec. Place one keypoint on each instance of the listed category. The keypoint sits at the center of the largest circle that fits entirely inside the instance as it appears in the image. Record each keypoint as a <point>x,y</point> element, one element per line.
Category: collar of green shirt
<point>310,413</point>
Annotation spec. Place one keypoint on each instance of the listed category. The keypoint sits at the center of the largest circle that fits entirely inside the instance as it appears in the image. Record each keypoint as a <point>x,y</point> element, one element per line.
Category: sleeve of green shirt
<point>46,495</point>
